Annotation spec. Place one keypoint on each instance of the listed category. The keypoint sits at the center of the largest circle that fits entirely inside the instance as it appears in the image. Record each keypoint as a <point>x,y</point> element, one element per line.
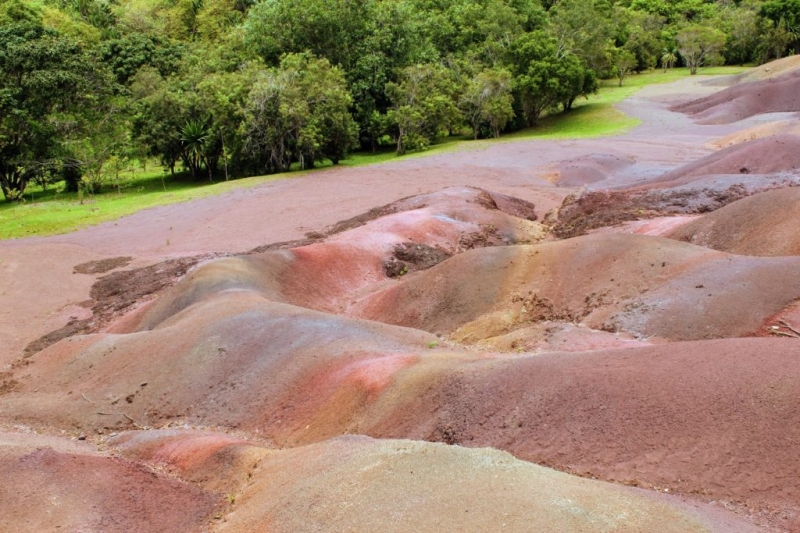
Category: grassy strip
<point>50,213</point>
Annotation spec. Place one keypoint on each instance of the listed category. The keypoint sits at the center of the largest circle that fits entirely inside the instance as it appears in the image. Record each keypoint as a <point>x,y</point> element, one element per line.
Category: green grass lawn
<point>49,212</point>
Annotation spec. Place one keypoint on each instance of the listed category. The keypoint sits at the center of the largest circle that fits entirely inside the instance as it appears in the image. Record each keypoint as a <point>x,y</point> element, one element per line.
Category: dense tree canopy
<point>234,87</point>
<point>45,81</point>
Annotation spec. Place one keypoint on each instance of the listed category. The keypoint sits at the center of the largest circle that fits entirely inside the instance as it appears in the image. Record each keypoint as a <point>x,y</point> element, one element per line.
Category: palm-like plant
<point>194,138</point>
<point>669,58</point>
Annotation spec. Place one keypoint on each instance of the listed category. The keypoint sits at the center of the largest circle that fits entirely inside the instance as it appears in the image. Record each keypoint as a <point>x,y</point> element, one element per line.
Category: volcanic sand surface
<point>346,478</point>
<point>52,484</point>
<point>771,70</point>
<point>767,155</point>
<point>715,419</point>
<point>222,350</point>
<point>234,358</point>
<point>765,224</point>
<point>780,127</point>
<point>587,169</point>
<point>287,209</point>
<point>781,94</point>
<point>358,484</point>
<point>642,285</point>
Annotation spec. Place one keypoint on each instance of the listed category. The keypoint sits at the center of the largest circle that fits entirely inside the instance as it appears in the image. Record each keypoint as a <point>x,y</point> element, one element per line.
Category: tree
<point>641,36</point>
<point>298,112</point>
<point>669,58</point>
<point>743,28</point>
<point>162,108</point>
<point>215,17</point>
<point>127,54</point>
<point>96,151</point>
<point>195,143</point>
<point>45,81</point>
<point>487,101</point>
<point>19,11</point>
<point>785,16</point>
<point>545,75</point>
<point>370,40</point>
<point>222,95</point>
<point>700,45</point>
<point>677,11</point>
<point>623,62</point>
<point>584,28</point>
<point>423,105</point>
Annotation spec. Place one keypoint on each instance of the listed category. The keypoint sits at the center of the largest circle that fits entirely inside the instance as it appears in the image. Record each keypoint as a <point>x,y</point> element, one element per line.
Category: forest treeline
<point>242,87</point>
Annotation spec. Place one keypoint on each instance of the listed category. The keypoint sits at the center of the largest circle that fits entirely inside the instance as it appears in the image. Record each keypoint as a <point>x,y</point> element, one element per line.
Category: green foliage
<point>640,34</point>
<point>195,146</point>
<point>785,16</point>
<point>669,58</point>
<point>19,12</point>
<point>298,112</point>
<point>623,63</point>
<point>584,28</point>
<point>127,54</point>
<point>423,105</point>
<point>487,102</point>
<point>277,84</point>
<point>161,109</point>
<point>677,11</point>
<point>44,80</point>
<point>700,45</point>
<point>546,76</point>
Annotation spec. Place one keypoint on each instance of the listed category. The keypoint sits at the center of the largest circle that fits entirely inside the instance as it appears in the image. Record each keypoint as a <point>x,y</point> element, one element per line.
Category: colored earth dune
<point>594,335</point>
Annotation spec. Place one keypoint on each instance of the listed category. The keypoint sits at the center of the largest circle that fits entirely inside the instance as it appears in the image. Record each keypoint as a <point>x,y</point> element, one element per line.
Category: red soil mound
<point>215,461</point>
<point>716,419</point>
<point>781,94</point>
<point>358,484</point>
<point>329,275</point>
<point>591,210</point>
<point>710,418</point>
<point>790,127</point>
<point>641,285</point>
<point>406,486</point>
<point>762,225</point>
<point>227,360</point>
<point>773,69</point>
<point>767,155</point>
<point>52,485</point>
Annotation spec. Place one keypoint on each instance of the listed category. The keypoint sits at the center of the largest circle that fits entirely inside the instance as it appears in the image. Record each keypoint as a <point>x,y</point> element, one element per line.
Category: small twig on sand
<point>85,398</point>
<point>132,421</point>
<point>790,328</point>
<point>783,334</point>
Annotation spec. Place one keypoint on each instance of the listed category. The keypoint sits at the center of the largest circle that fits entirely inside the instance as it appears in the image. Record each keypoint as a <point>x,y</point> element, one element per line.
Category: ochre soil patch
<point>53,484</point>
<point>781,127</point>
<point>768,155</point>
<point>781,94</point>
<point>764,225</point>
<point>641,285</point>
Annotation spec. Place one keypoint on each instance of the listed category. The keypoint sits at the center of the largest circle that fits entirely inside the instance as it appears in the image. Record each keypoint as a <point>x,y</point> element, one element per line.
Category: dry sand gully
<point>593,335</point>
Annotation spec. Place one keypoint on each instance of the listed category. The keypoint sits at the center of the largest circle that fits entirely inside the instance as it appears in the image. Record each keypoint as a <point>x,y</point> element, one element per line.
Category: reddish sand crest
<point>765,224</point>
<point>781,94</point>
